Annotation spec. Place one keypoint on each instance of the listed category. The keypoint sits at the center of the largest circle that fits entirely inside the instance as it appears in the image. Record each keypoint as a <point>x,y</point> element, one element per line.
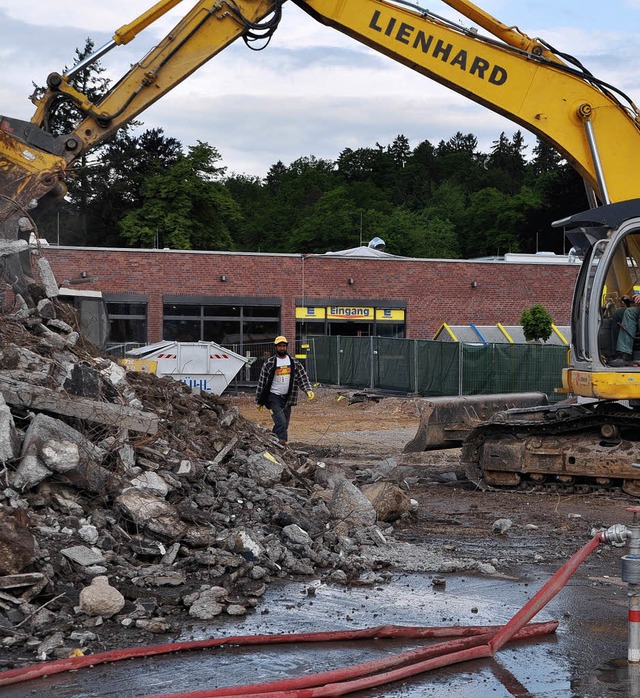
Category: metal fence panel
<point>355,361</point>
<point>438,368</point>
<point>394,364</point>
<point>324,360</point>
<point>478,369</point>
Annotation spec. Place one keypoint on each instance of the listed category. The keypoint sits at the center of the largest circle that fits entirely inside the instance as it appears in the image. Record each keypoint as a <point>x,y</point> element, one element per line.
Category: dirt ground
<point>451,512</point>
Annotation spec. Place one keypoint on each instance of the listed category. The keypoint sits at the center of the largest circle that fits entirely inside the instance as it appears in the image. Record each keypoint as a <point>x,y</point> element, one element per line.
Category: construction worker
<point>280,378</point>
<point>625,327</point>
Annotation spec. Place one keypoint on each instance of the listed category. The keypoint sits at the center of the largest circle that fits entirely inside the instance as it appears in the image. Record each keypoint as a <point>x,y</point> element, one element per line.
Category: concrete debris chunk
<point>208,603</point>
<point>349,503</point>
<point>265,468</point>
<point>152,513</point>
<point>294,534</point>
<point>9,437</point>
<point>50,445</point>
<point>502,525</point>
<point>151,482</point>
<point>47,278</point>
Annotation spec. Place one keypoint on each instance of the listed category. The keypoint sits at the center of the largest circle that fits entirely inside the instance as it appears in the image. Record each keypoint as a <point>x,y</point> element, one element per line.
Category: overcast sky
<point>312,91</point>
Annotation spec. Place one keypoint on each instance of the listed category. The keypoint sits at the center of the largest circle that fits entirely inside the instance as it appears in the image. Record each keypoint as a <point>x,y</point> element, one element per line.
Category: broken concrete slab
<point>152,513</point>
<point>42,398</point>
<point>83,556</point>
<point>9,438</point>
<point>349,504</point>
<point>265,468</point>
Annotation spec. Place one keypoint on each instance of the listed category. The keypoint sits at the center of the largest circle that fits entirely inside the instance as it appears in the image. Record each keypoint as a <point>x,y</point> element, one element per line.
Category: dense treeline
<point>445,200</point>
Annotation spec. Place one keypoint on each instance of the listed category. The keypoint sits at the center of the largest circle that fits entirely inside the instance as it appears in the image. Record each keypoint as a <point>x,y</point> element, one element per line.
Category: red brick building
<point>246,297</point>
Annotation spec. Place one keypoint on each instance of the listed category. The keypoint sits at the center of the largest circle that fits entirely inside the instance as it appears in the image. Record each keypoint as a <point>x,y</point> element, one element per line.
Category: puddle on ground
<point>582,659</point>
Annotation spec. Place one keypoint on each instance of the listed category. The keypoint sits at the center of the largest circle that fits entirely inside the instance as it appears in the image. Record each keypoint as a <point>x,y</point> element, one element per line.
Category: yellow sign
<point>388,314</point>
<point>308,312</point>
<point>346,312</point>
<point>139,365</point>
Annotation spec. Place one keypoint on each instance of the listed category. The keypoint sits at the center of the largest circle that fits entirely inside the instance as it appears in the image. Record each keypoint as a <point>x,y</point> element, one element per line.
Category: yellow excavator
<point>592,441</point>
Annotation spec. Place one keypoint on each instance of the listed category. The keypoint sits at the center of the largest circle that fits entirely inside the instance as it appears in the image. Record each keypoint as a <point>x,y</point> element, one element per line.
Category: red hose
<point>320,680</point>
<point>380,632</point>
<point>545,594</point>
<point>473,642</point>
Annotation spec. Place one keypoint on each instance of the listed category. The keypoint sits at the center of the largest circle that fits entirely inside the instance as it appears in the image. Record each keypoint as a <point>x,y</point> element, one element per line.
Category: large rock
<point>101,599</point>
<point>349,504</point>
<point>389,501</point>
<point>50,445</point>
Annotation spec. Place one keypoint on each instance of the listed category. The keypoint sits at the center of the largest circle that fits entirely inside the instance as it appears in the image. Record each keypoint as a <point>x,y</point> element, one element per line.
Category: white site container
<point>203,365</point>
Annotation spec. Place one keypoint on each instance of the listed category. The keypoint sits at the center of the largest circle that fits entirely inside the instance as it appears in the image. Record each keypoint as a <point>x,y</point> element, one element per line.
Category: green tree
<point>184,206</point>
<point>458,160</point>
<point>412,234</point>
<point>545,159</point>
<point>417,177</point>
<point>400,151</point>
<point>293,192</point>
<point>376,165</point>
<point>536,323</point>
<point>126,162</point>
<point>506,163</point>
<point>332,224</point>
<point>252,196</point>
<point>494,221</point>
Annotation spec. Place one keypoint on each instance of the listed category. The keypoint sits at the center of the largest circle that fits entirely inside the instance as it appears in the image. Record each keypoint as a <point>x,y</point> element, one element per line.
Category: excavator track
<point>576,448</point>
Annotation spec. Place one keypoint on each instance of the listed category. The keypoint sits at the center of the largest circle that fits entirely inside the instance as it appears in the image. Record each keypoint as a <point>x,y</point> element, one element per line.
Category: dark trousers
<point>280,414</point>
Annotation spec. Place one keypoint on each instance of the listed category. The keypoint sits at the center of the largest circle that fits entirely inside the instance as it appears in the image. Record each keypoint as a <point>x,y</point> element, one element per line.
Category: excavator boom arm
<point>522,81</point>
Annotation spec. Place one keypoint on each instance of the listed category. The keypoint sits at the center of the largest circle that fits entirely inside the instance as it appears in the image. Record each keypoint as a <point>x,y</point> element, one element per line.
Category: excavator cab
<point>609,239</point>
<point>592,439</point>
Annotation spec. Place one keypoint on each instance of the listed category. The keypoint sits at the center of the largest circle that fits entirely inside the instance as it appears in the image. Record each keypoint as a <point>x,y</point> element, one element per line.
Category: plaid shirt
<point>299,379</point>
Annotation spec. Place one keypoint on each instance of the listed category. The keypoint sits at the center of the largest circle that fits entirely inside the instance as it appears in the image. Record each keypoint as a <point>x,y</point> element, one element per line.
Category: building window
<point>231,325</point>
<point>128,322</point>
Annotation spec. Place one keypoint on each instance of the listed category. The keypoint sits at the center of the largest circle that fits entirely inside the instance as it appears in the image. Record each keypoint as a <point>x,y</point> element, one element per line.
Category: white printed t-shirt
<point>282,378</point>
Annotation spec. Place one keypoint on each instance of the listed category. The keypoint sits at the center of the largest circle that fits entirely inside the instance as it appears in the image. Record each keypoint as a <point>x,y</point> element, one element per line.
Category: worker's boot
<point>621,360</point>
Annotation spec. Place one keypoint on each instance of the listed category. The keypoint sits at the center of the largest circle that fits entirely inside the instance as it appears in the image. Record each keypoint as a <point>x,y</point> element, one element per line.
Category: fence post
<point>338,357</point>
<point>372,354</point>
<point>247,369</point>
<point>414,349</point>
<point>312,343</point>
<point>460,368</point>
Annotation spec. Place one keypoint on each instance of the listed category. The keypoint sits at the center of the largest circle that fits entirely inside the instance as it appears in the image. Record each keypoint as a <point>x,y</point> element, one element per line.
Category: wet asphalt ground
<point>584,658</point>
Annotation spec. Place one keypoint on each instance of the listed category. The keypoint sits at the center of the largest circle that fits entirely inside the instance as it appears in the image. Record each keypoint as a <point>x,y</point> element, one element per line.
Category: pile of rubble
<point>130,505</point>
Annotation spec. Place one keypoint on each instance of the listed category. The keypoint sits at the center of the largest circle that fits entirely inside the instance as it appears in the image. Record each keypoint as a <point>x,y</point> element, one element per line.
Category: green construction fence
<point>436,368</point>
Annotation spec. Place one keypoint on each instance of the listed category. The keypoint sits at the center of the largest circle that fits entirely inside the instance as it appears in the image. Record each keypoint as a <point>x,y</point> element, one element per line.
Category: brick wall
<point>435,291</point>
